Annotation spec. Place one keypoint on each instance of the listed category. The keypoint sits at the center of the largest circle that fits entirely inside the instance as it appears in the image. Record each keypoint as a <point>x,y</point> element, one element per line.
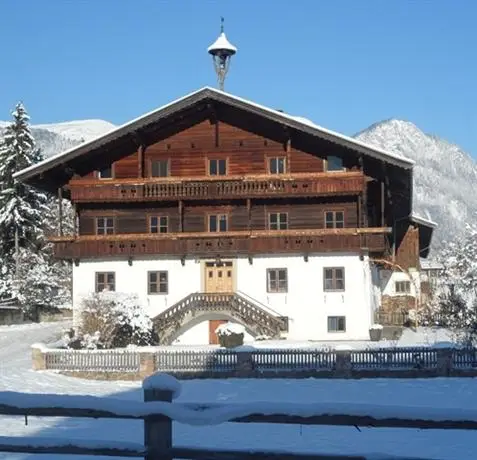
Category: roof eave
<point>220,96</point>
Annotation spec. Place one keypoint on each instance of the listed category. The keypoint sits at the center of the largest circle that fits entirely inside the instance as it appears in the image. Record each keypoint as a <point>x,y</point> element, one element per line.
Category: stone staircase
<point>257,318</point>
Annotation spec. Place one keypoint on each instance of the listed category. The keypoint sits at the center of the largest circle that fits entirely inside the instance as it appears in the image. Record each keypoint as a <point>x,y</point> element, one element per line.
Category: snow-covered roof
<point>422,221</point>
<point>431,265</point>
<point>226,98</point>
<point>222,44</point>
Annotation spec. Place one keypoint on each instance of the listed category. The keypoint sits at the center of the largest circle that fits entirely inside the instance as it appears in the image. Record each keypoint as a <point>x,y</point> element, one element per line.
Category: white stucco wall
<point>389,278</point>
<point>183,280</point>
<point>305,303</point>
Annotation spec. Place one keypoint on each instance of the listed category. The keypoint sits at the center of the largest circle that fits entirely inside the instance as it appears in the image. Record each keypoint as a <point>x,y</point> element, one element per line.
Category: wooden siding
<point>407,253</point>
<point>302,214</point>
<point>246,153</point>
<point>223,245</point>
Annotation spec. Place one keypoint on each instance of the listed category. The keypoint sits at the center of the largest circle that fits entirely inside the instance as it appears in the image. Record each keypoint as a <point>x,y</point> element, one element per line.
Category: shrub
<point>112,319</point>
<point>230,335</point>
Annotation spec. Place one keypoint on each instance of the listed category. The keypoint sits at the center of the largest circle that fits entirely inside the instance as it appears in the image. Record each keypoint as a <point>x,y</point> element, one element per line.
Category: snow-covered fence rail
<point>86,361</point>
<point>395,358</point>
<point>158,411</point>
<point>257,362</point>
<point>292,360</point>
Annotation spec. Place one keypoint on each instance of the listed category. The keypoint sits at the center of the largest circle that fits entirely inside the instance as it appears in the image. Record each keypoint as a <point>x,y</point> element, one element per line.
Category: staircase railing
<point>247,309</point>
<point>260,304</point>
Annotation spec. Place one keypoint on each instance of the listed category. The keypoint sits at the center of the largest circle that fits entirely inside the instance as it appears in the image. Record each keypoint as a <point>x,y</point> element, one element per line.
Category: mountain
<point>57,137</point>
<point>445,177</point>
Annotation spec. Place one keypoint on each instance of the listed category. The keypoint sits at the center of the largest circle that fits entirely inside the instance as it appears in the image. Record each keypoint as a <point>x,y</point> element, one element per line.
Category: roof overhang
<point>35,172</point>
<point>426,231</point>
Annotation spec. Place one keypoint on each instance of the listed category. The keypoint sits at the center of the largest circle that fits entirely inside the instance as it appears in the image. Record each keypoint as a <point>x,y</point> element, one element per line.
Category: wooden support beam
<point>216,133</point>
<point>181,216</point>
<point>140,160</point>
<point>249,214</point>
<point>383,204</point>
<point>60,211</point>
<point>364,210</point>
<point>75,220</point>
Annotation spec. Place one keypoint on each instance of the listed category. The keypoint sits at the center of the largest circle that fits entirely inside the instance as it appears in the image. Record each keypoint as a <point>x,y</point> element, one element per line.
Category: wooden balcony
<point>200,188</point>
<point>227,244</point>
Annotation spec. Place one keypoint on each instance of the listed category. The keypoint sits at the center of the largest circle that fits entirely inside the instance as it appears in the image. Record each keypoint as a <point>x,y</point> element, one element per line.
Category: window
<point>336,323</point>
<point>158,224</point>
<point>104,225</point>
<point>402,287</point>
<point>334,163</point>
<point>106,173</point>
<point>276,165</point>
<point>217,167</point>
<point>334,279</point>
<point>159,168</point>
<point>334,219</point>
<point>105,281</point>
<point>218,223</point>
<point>278,221</point>
<point>157,283</point>
<point>277,280</point>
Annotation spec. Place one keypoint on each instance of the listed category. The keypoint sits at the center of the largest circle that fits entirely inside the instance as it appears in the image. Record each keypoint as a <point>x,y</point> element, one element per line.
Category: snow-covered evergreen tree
<point>27,269</point>
<point>455,302</point>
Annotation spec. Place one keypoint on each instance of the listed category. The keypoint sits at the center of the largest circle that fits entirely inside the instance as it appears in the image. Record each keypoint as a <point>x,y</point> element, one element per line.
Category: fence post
<point>343,363</point>
<point>38,357</point>
<point>158,428</point>
<point>245,365</point>
<point>147,364</point>
<point>444,361</point>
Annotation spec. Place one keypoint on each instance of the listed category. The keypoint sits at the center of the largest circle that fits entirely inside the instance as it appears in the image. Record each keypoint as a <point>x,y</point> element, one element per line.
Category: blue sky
<point>344,63</point>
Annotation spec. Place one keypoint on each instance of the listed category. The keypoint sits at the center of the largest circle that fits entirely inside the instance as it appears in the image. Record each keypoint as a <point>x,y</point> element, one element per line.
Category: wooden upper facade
<point>217,177</point>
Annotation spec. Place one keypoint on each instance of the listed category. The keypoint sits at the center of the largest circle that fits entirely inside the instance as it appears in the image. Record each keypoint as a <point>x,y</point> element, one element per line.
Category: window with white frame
<point>334,219</point>
<point>278,221</point>
<point>158,224</point>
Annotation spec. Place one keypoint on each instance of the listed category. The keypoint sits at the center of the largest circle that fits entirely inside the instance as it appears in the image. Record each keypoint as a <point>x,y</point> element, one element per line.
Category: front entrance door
<point>218,277</point>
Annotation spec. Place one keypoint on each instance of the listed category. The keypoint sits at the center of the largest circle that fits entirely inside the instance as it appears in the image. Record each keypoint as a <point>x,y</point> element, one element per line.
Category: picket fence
<point>219,361</point>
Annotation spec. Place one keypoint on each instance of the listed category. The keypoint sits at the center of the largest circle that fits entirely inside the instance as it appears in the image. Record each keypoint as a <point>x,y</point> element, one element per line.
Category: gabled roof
<point>226,98</point>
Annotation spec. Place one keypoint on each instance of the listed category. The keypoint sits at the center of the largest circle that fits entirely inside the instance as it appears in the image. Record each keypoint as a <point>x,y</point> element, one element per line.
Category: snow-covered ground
<point>15,374</point>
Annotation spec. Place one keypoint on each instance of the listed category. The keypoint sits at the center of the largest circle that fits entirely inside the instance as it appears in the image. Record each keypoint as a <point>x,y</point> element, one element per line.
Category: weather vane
<point>221,51</point>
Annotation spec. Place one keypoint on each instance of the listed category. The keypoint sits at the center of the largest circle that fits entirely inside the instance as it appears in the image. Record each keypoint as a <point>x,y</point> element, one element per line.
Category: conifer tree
<point>22,208</point>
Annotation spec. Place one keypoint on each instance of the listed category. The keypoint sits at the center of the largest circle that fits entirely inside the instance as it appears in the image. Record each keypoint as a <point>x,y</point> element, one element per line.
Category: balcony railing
<point>153,189</point>
<point>223,244</point>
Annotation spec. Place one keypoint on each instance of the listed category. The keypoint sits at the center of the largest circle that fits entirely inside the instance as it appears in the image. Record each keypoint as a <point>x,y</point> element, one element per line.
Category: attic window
<point>106,173</point>
<point>334,163</point>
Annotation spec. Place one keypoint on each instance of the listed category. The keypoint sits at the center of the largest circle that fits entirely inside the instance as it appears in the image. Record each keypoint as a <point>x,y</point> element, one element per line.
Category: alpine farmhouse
<point>215,208</point>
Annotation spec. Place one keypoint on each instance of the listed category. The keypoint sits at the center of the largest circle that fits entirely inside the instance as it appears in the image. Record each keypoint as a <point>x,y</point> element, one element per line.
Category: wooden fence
<point>249,362</point>
<point>158,411</point>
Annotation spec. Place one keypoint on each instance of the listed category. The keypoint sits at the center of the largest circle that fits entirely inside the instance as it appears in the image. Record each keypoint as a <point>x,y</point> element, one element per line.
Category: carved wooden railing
<point>262,321</point>
<point>227,244</point>
<point>318,184</point>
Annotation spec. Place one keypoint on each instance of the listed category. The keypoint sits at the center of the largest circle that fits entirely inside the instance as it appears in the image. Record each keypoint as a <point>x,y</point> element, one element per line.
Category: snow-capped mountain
<point>445,177</point>
<point>57,137</point>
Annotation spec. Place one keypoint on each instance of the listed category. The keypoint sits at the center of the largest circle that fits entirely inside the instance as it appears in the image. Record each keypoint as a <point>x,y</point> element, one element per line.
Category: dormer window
<point>334,163</point>
<point>106,173</point>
